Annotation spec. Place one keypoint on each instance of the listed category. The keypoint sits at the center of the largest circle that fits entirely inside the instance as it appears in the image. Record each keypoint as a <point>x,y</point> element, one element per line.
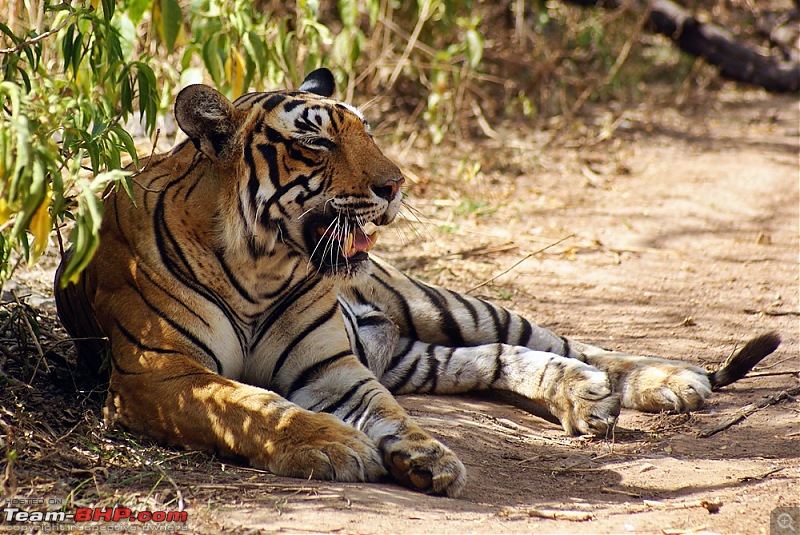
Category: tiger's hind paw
<point>666,386</point>
<point>584,402</point>
<point>423,463</point>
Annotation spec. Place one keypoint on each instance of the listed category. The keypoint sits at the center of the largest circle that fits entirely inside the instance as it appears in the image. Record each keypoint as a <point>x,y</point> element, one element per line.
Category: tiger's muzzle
<point>341,233</point>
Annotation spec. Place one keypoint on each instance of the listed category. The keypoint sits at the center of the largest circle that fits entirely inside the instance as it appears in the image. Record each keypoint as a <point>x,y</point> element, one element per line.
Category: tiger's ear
<point>209,119</point>
<point>320,82</point>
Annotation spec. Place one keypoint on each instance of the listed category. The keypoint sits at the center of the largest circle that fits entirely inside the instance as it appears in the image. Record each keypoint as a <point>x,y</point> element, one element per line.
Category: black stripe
<point>283,287</point>
<point>114,362</point>
<point>184,376</point>
<point>363,403</point>
<point>371,321</point>
<point>544,372</point>
<point>180,267</point>
<point>500,330</point>
<point>450,326</point>
<point>191,188</point>
<point>270,154</point>
<point>504,325</point>
<point>566,347</point>
<point>316,324</point>
<point>468,305</point>
<point>400,354</point>
<point>525,336</point>
<point>406,377</point>
<point>279,310</point>
<point>145,270</point>
<point>294,103</point>
<point>356,344</point>
<point>347,396</point>
<point>498,364</point>
<point>433,367</point>
<point>306,375</point>
<point>401,299</point>
<point>139,345</point>
<point>252,180</point>
<point>182,330</point>
<point>272,101</point>
<point>232,278</point>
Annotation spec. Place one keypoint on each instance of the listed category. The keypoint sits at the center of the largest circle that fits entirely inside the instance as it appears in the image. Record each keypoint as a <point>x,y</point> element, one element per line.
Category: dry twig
<point>747,410</point>
<point>555,514</point>
<point>518,262</point>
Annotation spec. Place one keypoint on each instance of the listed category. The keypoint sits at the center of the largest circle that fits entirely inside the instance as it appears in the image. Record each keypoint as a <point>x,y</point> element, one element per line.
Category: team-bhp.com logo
<point>94,514</point>
<point>18,515</point>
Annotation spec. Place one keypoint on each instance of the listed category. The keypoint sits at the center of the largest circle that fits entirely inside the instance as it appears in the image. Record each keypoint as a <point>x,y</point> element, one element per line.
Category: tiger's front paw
<point>320,446</point>
<point>664,385</point>
<point>423,463</point>
<point>584,402</point>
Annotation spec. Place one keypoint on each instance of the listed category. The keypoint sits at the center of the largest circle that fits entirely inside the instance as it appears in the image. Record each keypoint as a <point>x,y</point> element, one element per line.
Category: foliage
<point>81,80</point>
<point>72,94</point>
<point>65,96</point>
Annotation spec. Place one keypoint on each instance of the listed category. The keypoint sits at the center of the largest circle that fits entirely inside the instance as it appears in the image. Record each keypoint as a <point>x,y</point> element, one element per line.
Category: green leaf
<point>127,142</point>
<point>348,12</point>
<point>213,61</point>
<point>342,49</point>
<point>256,49</point>
<point>108,9</point>
<point>127,35</point>
<point>474,47</point>
<point>77,53</point>
<point>127,185</point>
<point>126,93</point>
<point>99,126</point>
<point>137,9</point>
<point>170,23</point>
<point>374,12</point>
<point>66,46</point>
<point>148,94</point>
<point>33,198</point>
<point>6,30</point>
<point>84,244</point>
<point>25,80</point>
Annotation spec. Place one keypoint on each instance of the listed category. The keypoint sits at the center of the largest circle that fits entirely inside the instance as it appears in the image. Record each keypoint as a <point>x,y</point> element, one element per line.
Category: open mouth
<point>339,245</point>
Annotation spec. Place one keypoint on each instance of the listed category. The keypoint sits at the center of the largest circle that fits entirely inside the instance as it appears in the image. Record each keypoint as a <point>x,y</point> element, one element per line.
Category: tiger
<point>234,306</point>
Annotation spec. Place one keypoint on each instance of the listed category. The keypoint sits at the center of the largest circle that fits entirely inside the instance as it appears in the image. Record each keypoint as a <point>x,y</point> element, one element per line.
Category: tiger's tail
<point>742,362</point>
<point>78,318</point>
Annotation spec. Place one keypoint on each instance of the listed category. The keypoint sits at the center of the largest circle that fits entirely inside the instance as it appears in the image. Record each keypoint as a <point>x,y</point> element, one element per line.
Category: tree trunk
<point>714,44</point>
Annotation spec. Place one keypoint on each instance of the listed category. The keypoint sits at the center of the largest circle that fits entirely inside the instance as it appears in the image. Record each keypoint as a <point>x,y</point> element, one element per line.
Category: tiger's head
<point>302,169</point>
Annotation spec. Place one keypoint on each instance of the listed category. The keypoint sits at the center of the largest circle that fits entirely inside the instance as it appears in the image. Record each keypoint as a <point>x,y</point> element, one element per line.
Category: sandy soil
<point>685,243</point>
<point>681,240</point>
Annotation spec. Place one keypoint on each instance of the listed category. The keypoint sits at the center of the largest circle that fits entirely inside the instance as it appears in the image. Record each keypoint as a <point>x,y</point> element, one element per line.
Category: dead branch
<point>747,410</point>
<point>521,260</point>
<point>555,514</point>
<point>714,44</point>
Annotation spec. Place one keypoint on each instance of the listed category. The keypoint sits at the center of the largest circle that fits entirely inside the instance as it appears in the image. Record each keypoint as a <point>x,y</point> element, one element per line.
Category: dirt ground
<point>674,233</point>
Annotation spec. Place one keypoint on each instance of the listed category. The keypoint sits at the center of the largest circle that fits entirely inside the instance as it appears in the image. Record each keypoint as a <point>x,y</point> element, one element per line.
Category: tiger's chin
<point>343,268</point>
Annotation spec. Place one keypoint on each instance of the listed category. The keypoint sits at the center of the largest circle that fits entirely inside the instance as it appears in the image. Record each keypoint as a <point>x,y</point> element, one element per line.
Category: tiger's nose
<point>389,188</point>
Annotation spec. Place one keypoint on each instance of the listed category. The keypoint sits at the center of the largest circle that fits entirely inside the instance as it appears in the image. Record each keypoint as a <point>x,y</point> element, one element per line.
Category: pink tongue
<point>361,241</point>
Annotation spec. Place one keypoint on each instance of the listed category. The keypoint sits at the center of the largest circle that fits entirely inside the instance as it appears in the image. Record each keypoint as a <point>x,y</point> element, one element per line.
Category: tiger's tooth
<point>347,249</point>
<point>369,228</point>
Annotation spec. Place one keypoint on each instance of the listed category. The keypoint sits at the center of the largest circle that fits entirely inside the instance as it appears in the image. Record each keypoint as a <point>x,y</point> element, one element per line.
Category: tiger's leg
<point>578,394</point>
<point>321,373</point>
<point>348,390</point>
<point>442,317</point>
<point>176,400</point>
